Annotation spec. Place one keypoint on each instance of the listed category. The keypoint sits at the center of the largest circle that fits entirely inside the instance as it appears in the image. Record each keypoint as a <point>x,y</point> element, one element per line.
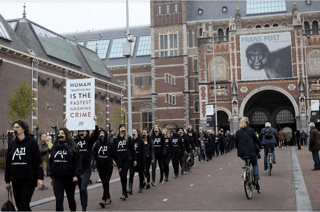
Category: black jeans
<point>147,171</point>
<point>159,158</point>
<point>166,165</point>
<point>123,175</point>
<point>105,175</point>
<point>183,162</point>
<point>59,186</point>
<point>175,163</point>
<point>22,191</point>
<point>83,184</point>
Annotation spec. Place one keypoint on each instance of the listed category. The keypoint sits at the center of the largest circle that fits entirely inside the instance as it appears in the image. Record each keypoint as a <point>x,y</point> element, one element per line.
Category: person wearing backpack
<point>268,137</point>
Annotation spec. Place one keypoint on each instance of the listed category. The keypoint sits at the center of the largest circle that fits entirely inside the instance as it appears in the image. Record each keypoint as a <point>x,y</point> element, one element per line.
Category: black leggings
<point>59,186</point>
<point>22,191</point>
<point>123,175</point>
<point>159,158</point>
<point>147,171</point>
<point>175,163</point>
<point>83,184</point>
<point>166,165</point>
<point>105,175</point>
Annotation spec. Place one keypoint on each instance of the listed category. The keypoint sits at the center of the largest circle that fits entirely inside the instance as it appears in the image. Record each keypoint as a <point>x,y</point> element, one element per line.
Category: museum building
<point>262,55</point>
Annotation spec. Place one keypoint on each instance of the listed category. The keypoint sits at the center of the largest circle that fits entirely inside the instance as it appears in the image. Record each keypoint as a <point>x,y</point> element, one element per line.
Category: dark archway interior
<point>270,106</point>
<point>223,121</point>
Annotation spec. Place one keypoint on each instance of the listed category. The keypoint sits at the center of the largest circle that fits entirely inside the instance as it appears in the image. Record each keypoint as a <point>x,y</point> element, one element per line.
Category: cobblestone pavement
<point>311,178</point>
<point>216,185</point>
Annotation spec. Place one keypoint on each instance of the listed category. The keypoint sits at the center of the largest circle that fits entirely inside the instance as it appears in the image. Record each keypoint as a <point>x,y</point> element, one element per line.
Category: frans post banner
<point>80,104</point>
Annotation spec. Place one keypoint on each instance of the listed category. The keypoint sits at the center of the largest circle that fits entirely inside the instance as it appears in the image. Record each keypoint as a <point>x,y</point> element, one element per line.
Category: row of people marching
<point>70,160</point>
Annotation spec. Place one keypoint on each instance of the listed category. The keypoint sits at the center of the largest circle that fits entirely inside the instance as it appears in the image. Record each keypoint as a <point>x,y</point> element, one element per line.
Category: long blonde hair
<point>244,121</point>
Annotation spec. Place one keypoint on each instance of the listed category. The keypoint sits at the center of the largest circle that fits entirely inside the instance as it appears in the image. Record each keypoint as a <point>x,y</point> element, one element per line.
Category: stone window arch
<point>266,25</point>
<point>220,34</point>
<point>221,66</point>
<point>315,27</point>
<point>258,26</point>
<point>275,25</point>
<point>284,24</point>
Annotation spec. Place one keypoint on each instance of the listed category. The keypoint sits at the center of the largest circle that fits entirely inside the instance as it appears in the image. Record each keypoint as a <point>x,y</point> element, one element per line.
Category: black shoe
<point>166,179</point>
<point>256,183</point>
<point>102,204</point>
<point>161,182</point>
<point>148,186</point>
<point>90,181</point>
<point>130,189</point>
<point>123,197</point>
<point>265,168</point>
<point>153,183</point>
<point>140,190</point>
<point>175,176</point>
<point>84,209</point>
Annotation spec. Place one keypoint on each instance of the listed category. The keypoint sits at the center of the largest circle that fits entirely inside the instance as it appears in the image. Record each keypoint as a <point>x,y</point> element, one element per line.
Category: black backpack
<point>268,133</point>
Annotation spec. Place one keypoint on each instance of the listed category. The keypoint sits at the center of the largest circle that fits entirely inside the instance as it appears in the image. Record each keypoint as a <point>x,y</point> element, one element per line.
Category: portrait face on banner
<point>266,56</point>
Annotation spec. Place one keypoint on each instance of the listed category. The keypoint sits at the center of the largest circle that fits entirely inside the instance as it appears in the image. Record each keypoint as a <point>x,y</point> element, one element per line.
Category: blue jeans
<point>48,169</point>
<point>94,165</point>
<point>218,149</point>
<point>315,157</point>
<point>266,149</point>
<point>255,166</point>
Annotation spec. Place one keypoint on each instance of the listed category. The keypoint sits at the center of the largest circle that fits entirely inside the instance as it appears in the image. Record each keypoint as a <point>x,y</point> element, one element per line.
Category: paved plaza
<point>213,186</point>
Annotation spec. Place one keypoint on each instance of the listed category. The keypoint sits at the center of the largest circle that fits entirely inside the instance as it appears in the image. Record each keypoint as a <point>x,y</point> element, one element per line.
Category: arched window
<point>190,38</point>
<point>307,27</point>
<point>315,27</point>
<point>227,34</point>
<point>220,35</point>
<point>258,26</point>
<point>275,25</point>
<point>195,38</point>
<point>267,25</point>
<point>284,117</point>
<point>258,118</point>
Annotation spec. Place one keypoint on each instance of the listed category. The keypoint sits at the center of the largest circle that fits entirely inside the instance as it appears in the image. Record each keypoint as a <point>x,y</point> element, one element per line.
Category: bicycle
<point>248,179</point>
<point>269,160</point>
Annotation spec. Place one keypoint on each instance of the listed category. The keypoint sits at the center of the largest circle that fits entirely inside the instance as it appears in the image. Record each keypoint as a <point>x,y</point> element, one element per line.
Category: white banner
<point>209,110</point>
<point>314,105</point>
<point>265,56</point>
<point>80,104</point>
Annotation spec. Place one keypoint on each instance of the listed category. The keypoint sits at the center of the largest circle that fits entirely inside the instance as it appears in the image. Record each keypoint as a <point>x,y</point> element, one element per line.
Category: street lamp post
<point>215,87</point>
<point>129,75</point>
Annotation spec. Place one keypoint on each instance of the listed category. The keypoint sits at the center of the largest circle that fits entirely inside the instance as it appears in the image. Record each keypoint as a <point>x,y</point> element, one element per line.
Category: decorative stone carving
<point>202,30</point>
<point>221,67</point>
<point>244,89</point>
<point>141,85</point>
<point>291,87</point>
<point>314,62</point>
<point>234,107</point>
<point>232,24</point>
<point>302,105</point>
<point>315,85</point>
<point>221,90</point>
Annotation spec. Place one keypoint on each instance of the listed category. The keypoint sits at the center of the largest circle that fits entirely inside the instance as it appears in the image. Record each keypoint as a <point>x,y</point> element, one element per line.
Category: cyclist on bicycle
<point>268,137</point>
<point>248,144</point>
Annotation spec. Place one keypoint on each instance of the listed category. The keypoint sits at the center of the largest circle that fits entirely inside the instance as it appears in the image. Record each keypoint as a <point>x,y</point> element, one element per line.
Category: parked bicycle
<point>248,179</point>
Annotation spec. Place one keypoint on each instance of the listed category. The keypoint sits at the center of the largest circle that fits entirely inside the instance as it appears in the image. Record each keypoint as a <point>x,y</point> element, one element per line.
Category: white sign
<point>265,56</point>
<point>314,105</point>
<point>209,110</point>
<point>80,104</point>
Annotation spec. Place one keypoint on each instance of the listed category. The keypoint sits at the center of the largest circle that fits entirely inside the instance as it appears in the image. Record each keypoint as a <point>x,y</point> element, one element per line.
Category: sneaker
<point>175,176</point>
<point>153,183</point>
<point>193,166</point>
<point>98,181</point>
<point>161,182</point>
<point>166,179</point>
<point>199,162</point>
<point>44,188</point>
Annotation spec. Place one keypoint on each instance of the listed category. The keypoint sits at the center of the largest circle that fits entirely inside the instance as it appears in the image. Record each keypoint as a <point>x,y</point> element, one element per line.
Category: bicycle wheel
<point>248,185</point>
<point>269,164</point>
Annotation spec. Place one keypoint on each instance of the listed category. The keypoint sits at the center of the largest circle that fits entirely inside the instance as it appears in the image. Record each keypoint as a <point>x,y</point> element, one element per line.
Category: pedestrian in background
<point>149,153</point>
<point>282,137</point>
<point>44,151</point>
<point>314,146</point>
<point>167,157</point>
<point>298,139</point>
<point>176,151</point>
<point>23,166</point>
<point>49,142</point>
<point>65,168</point>
<point>268,138</point>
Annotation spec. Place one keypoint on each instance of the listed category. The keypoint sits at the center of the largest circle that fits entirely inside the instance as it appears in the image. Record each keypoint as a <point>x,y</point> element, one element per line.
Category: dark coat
<point>266,141</point>
<point>314,140</point>
<point>44,150</point>
<point>246,140</point>
<point>139,151</point>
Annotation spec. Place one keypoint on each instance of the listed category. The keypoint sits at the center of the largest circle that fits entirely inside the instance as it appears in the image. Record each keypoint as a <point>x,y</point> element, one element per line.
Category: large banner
<point>265,56</point>
<point>80,104</point>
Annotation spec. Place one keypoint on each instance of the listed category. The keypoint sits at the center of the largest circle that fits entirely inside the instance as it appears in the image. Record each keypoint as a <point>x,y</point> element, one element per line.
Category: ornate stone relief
<point>221,90</point>
<point>221,67</point>
<point>244,89</point>
<point>291,87</point>
<point>314,62</point>
<point>302,105</point>
<point>315,85</point>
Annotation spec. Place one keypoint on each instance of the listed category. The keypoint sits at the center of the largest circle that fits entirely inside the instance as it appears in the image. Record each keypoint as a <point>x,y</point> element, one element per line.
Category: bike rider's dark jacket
<point>245,139</point>
<point>124,148</point>
<point>185,144</point>
<point>176,147</point>
<point>148,147</point>
<point>193,138</point>
<point>267,141</point>
<point>159,144</point>
<point>23,160</point>
<point>65,161</point>
<point>139,149</point>
<point>104,153</point>
<point>85,147</point>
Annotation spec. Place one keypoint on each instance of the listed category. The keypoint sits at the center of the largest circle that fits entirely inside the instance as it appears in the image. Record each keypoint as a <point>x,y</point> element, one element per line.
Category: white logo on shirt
<point>156,141</point>
<point>19,153</point>
<point>61,153</point>
<point>103,149</point>
<point>135,146</point>
<point>122,143</point>
<point>80,143</point>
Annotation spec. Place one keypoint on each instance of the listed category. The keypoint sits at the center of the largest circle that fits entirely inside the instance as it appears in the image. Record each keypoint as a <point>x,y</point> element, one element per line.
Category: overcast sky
<point>71,16</point>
